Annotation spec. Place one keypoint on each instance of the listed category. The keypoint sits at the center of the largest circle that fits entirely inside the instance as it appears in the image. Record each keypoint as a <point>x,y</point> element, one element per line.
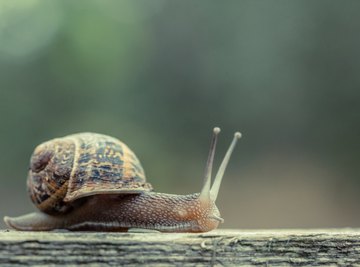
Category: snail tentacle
<point>205,191</point>
<point>217,181</point>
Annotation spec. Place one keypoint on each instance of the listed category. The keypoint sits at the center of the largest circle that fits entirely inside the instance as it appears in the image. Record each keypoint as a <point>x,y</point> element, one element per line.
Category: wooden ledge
<point>216,248</point>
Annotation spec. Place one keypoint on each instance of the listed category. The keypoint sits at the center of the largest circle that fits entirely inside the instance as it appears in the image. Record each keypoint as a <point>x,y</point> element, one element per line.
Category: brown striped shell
<point>66,169</point>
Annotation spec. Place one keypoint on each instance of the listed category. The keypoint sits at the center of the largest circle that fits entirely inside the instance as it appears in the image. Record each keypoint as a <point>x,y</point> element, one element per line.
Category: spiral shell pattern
<point>65,169</point>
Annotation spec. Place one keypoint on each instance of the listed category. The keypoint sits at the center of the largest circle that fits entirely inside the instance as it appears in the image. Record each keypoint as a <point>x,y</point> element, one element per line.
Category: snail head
<point>211,218</point>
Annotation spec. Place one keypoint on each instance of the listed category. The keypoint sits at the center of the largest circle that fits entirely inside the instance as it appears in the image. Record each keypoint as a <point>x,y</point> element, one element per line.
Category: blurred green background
<point>159,75</point>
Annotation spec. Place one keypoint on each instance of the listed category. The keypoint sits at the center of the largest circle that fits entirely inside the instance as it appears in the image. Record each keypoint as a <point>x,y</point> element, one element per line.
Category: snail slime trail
<point>94,182</point>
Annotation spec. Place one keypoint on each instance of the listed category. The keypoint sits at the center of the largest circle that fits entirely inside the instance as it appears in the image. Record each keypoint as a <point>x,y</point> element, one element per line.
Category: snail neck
<point>150,210</point>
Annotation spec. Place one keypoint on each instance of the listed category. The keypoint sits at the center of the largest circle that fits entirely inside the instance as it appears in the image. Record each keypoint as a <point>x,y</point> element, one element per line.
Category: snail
<point>94,182</point>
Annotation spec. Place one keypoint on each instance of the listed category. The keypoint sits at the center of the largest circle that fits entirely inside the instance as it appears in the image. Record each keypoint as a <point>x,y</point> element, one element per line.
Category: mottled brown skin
<point>156,211</point>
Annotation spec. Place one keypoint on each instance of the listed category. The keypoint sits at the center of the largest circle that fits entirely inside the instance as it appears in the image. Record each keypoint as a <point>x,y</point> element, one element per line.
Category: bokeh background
<point>160,75</point>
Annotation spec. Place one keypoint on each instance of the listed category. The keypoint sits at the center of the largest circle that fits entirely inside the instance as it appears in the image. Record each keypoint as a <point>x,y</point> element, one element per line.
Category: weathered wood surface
<point>216,248</point>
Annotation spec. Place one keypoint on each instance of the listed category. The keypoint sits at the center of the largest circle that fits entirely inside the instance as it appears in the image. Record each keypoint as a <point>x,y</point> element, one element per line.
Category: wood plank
<point>221,247</point>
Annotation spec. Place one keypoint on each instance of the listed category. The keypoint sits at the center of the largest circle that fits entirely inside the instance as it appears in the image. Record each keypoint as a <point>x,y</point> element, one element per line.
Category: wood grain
<point>333,247</point>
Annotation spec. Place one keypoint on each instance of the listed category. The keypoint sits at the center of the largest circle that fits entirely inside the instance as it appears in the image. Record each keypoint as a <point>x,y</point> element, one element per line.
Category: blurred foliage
<point>160,74</point>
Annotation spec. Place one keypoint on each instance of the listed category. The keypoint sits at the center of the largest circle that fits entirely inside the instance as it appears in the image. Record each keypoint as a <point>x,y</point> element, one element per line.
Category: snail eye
<point>40,161</point>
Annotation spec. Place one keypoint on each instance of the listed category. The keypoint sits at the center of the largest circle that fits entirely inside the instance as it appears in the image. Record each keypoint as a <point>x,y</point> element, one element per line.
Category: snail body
<point>94,182</point>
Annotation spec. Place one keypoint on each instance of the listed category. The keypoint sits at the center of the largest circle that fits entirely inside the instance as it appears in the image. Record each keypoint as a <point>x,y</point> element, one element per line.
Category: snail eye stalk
<point>206,192</point>
<point>218,178</point>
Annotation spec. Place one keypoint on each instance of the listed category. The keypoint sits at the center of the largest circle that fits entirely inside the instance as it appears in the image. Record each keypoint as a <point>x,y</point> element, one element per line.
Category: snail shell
<point>66,169</point>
